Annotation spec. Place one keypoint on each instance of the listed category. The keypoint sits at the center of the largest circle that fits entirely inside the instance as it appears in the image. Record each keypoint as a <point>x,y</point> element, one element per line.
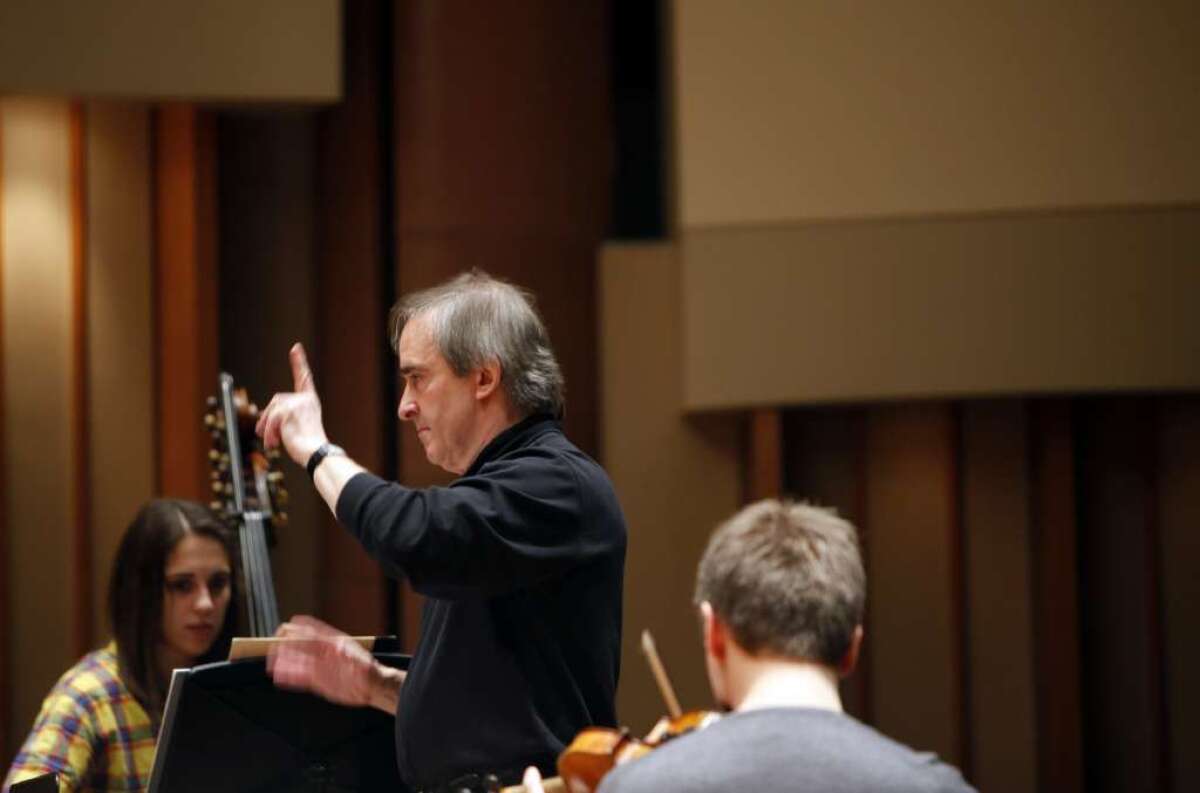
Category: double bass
<point>249,496</point>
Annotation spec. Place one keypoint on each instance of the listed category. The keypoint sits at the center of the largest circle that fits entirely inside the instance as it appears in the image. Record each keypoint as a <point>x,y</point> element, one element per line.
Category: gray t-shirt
<point>785,749</point>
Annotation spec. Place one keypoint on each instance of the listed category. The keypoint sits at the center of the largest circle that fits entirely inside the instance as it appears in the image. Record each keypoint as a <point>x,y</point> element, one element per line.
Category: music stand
<point>227,727</point>
<point>45,783</point>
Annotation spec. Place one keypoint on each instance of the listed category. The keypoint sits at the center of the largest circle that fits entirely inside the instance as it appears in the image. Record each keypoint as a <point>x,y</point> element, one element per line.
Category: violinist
<point>172,602</point>
<point>520,559</point>
<point>780,591</point>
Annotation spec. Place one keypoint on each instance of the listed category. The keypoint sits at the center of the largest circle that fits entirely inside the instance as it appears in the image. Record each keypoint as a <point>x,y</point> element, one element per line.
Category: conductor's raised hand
<point>293,419</point>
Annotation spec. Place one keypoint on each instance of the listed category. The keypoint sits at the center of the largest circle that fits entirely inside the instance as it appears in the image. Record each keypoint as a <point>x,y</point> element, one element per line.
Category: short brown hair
<point>787,578</point>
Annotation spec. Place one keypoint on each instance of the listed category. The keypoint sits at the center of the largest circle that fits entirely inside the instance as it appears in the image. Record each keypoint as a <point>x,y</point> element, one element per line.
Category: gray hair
<point>787,578</point>
<point>476,319</point>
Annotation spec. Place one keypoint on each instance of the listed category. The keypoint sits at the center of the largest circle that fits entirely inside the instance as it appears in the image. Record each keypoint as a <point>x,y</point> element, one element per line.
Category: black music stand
<point>227,727</point>
<point>46,783</point>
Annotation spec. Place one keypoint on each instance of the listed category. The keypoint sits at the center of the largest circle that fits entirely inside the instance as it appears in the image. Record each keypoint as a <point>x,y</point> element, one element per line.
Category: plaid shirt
<point>90,731</point>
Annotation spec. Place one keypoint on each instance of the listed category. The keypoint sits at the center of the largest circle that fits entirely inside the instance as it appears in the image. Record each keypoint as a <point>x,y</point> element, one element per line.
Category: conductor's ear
<point>487,379</point>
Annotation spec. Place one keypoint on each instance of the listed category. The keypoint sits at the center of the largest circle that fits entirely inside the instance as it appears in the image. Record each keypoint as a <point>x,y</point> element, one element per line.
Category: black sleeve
<point>511,525</point>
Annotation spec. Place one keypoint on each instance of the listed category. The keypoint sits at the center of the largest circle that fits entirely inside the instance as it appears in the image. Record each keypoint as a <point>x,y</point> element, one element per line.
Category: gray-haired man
<point>521,558</point>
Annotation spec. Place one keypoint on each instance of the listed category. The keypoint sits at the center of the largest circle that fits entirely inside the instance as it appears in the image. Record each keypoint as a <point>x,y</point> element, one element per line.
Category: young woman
<point>171,603</point>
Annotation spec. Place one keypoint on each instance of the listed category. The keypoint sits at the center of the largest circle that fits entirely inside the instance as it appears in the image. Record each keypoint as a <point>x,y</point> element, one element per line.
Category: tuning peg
<point>215,506</point>
<point>218,487</point>
<point>210,419</point>
<point>211,401</point>
<point>273,454</point>
<point>279,520</point>
<point>281,497</point>
<point>275,477</point>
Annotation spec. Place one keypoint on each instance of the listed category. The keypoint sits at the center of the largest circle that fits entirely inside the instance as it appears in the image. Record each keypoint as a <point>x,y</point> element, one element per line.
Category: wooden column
<point>185,295</point>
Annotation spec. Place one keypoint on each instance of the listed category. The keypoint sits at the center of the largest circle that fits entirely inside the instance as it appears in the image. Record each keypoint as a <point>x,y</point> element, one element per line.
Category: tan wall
<point>217,49</point>
<point>802,109</point>
<point>1052,302</point>
<point>38,451</point>
<point>41,343</point>
<point>676,477</point>
<point>120,347</point>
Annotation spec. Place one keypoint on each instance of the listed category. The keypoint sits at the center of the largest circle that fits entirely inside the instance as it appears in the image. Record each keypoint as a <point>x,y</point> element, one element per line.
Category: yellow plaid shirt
<point>90,731</point>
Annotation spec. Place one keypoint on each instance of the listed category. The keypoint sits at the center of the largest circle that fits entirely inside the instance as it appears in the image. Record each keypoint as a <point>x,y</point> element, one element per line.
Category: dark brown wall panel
<point>1179,515</point>
<point>824,463</point>
<point>501,162</point>
<point>911,540</point>
<point>764,458</point>
<point>185,294</point>
<point>351,298</point>
<point>996,530</point>
<point>267,263</point>
<point>1055,583</point>
<point>1121,637</point>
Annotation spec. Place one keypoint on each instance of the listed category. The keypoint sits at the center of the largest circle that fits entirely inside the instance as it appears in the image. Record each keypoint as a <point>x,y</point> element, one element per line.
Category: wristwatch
<point>323,451</point>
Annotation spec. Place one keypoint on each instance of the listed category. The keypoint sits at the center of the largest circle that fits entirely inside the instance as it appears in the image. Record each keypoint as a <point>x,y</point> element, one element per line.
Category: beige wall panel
<point>37,258</point>
<point>799,109</point>
<point>120,349</point>
<point>1000,634</point>
<point>676,477</point>
<point>884,310</point>
<point>1179,504</point>
<point>910,630</point>
<point>163,49</point>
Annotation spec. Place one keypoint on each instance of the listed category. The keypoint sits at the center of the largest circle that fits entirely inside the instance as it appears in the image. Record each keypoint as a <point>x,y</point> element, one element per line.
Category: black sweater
<point>521,561</point>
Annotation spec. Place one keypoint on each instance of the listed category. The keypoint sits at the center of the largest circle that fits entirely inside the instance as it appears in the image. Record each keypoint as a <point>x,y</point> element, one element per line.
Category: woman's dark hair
<point>137,587</point>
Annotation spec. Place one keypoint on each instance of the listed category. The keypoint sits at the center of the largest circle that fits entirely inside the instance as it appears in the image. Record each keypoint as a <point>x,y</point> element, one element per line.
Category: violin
<point>597,750</point>
<point>250,496</point>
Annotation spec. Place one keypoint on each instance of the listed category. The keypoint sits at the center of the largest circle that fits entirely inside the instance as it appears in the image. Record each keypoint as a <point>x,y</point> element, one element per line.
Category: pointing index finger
<point>302,379</point>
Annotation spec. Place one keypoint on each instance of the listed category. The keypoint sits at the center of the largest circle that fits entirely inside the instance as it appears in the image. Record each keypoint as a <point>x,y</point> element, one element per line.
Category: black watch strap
<point>323,451</point>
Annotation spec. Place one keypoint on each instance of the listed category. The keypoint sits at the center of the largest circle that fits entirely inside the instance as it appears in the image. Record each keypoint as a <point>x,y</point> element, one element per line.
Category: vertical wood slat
<point>351,344</point>
<point>765,454</point>
<point>5,573</point>
<point>996,501</point>
<point>81,536</point>
<point>959,605</point>
<point>1120,605</point>
<point>1178,496</point>
<point>1055,585</point>
<point>185,295</point>
<point>1155,600</point>
<point>824,463</point>
<point>911,503</point>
